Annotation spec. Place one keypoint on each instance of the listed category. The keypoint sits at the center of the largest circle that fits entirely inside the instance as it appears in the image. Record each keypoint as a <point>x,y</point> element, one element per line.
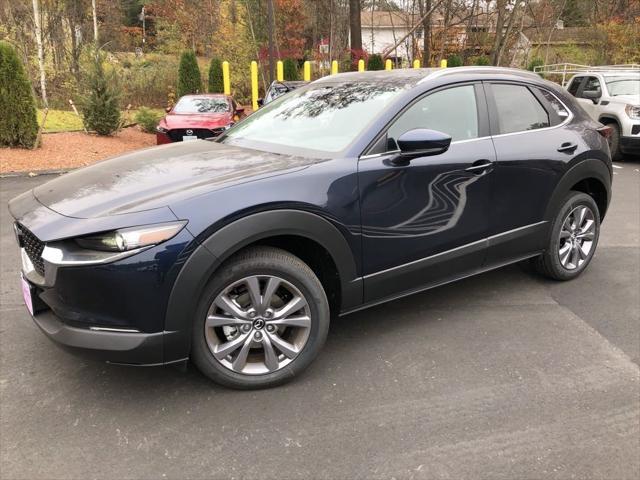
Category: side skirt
<point>438,284</point>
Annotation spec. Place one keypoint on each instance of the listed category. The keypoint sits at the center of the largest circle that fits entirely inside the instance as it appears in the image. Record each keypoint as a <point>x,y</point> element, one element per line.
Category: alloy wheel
<point>258,325</point>
<point>577,235</point>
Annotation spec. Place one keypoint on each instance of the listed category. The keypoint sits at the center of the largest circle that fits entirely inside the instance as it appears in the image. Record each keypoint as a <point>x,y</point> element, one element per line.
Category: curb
<point>37,173</point>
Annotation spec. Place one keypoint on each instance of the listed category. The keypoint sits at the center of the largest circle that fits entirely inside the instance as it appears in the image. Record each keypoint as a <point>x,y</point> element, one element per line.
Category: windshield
<point>623,85</point>
<point>323,117</point>
<point>202,105</point>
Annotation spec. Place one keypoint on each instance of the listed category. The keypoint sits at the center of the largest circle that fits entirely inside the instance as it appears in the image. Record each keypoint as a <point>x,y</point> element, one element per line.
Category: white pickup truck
<point>612,98</point>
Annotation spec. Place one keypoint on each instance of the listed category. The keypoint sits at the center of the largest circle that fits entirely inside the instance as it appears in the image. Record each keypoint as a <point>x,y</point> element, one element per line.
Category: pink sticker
<point>26,294</point>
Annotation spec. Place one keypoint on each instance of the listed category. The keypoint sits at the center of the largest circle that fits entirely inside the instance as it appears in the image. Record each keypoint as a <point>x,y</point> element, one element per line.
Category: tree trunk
<point>95,22</point>
<point>507,34</point>
<point>271,29</point>
<point>355,28</point>
<point>43,78</point>
<point>500,7</point>
<point>425,6</point>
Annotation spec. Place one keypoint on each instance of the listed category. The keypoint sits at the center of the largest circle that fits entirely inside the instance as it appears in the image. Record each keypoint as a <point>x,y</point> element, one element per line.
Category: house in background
<point>381,30</point>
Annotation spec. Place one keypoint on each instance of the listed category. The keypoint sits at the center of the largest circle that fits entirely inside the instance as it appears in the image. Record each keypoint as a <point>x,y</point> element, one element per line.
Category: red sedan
<point>198,116</point>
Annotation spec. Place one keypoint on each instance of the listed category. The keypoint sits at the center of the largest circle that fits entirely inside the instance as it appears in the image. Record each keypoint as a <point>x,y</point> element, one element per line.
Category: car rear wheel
<point>574,237</point>
<point>262,319</point>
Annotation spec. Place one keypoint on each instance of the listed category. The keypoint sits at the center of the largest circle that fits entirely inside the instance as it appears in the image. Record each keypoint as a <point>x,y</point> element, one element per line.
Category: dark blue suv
<point>354,190</point>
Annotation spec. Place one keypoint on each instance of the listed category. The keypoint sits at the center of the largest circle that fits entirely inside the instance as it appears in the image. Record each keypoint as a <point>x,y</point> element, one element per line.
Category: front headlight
<point>161,129</point>
<point>131,238</point>
<point>633,111</point>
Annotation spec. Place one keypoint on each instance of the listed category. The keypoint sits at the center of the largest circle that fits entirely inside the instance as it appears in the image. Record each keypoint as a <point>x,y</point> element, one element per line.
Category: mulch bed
<point>65,151</point>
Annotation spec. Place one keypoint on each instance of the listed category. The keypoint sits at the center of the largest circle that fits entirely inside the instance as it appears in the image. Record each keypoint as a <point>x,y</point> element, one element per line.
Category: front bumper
<point>630,145</point>
<point>111,311</point>
<point>128,348</point>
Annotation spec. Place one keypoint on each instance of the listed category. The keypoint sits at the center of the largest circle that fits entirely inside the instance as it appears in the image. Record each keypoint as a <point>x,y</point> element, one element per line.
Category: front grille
<point>177,134</point>
<point>32,246</point>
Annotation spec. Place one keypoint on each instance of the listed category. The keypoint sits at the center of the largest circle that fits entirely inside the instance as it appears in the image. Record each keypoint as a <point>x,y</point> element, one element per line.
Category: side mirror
<point>260,102</point>
<point>422,142</point>
<point>167,109</point>
<point>593,95</point>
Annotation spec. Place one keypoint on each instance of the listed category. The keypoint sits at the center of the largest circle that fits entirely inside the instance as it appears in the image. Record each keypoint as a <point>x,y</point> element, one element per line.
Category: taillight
<point>605,131</point>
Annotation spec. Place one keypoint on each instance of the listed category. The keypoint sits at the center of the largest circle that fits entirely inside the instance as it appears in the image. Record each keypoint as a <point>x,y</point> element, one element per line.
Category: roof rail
<point>571,69</point>
<point>441,72</point>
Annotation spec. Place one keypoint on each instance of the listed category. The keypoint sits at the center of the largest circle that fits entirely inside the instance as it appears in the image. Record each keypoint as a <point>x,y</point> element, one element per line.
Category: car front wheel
<point>262,319</point>
<point>574,237</point>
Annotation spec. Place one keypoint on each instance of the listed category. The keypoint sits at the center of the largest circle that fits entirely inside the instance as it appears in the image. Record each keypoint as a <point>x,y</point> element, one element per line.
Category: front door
<point>426,222</point>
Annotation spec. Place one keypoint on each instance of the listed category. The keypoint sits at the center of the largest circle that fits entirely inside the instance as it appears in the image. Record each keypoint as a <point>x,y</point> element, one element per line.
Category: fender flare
<point>583,170</point>
<point>226,241</point>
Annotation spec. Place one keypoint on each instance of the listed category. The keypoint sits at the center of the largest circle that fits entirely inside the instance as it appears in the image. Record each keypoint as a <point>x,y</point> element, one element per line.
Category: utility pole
<point>272,53</point>
<point>95,22</point>
<point>43,79</point>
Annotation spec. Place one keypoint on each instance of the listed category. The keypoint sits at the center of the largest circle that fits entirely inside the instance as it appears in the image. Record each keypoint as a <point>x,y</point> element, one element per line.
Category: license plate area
<point>189,137</point>
<point>27,294</point>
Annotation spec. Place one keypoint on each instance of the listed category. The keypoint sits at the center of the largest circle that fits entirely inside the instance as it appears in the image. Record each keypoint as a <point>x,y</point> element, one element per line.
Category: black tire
<point>262,261</point>
<point>614,142</point>
<point>549,264</point>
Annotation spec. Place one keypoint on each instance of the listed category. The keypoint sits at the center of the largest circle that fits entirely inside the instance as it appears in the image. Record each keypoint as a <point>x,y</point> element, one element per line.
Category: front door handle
<point>568,147</point>
<point>480,166</point>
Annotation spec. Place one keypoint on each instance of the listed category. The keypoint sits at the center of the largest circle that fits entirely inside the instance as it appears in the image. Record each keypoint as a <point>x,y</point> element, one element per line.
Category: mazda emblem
<point>189,132</point>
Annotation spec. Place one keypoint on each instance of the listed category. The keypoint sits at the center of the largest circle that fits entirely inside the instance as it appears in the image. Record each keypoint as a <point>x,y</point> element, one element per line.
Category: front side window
<point>452,111</point>
<point>591,85</point>
<point>518,109</point>
<point>575,85</point>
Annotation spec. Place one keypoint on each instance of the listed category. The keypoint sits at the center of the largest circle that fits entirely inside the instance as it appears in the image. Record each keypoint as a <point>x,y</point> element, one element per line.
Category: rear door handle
<point>480,166</point>
<point>568,147</point>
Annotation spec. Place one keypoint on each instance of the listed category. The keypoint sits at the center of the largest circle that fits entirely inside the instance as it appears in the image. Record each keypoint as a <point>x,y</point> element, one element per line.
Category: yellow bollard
<point>334,67</point>
<point>254,85</point>
<point>307,71</point>
<point>280,71</point>
<point>388,64</point>
<point>416,63</point>
<point>361,65</point>
<point>443,63</point>
<point>226,79</point>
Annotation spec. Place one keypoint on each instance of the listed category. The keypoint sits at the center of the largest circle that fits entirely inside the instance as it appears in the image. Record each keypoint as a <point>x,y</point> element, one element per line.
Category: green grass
<point>65,121</point>
<point>60,121</point>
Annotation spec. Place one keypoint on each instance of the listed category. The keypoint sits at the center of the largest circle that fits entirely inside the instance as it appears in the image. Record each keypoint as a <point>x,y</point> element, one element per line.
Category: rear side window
<point>575,85</point>
<point>518,109</point>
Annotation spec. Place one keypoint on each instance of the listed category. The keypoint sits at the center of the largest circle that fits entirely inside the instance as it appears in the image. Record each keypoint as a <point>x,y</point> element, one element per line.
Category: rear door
<point>533,147</point>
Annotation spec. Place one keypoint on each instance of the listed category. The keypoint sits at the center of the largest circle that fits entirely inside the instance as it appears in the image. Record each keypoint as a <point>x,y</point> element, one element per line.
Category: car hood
<point>197,120</point>
<point>157,176</point>
<point>632,99</point>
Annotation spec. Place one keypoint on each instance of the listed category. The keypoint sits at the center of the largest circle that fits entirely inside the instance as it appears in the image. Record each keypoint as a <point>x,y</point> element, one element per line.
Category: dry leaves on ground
<point>65,151</point>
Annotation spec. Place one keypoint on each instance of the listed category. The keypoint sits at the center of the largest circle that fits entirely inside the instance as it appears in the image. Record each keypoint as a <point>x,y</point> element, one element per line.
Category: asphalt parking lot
<point>505,375</point>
